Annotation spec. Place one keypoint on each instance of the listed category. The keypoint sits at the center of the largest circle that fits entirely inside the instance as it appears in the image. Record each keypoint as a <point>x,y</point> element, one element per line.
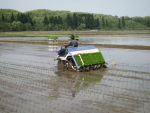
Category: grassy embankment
<point>66,33</point>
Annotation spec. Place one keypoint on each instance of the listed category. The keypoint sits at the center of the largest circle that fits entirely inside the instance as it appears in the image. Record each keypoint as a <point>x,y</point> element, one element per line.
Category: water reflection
<point>136,39</point>
<point>72,82</point>
<point>116,40</point>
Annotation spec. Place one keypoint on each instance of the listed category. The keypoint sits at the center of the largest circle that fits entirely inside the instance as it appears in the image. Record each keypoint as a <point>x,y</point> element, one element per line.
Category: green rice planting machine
<point>82,58</point>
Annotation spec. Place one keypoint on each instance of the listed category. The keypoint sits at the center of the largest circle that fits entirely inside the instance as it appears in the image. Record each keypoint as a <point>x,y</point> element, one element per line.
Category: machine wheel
<point>94,67</point>
<point>67,65</point>
<point>104,66</point>
<point>99,66</point>
<point>87,68</point>
<point>70,62</point>
<point>59,61</point>
<point>81,69</point>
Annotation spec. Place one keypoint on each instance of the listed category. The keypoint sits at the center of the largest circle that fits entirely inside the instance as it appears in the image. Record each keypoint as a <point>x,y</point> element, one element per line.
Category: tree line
<point>34,21</point>
<point>71,22</point>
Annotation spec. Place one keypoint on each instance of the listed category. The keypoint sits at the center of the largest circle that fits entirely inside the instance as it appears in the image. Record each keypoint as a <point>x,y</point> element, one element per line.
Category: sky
<point>118,8</point>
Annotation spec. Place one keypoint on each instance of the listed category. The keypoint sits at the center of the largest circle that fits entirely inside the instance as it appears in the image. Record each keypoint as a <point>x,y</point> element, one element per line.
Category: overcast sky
<point>120,8</point>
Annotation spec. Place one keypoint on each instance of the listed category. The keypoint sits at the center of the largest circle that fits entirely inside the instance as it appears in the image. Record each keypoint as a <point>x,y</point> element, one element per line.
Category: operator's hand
<point>64,44</point>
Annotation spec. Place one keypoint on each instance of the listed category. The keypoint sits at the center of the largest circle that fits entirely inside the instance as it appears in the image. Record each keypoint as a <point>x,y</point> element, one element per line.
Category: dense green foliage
<point>47,20</point>
<point>89,59</point>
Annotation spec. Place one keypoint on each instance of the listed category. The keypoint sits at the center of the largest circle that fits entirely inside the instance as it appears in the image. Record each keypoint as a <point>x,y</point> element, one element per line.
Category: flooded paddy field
<point>32,82</point>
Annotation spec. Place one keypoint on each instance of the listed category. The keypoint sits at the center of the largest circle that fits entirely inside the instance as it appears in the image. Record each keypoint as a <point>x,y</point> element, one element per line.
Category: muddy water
<point>136,39</point>
<point>32,82</point>
<point>122,40</point>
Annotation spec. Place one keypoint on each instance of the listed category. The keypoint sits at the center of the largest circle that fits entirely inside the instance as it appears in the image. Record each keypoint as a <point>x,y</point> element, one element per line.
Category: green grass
<point>66,33</point>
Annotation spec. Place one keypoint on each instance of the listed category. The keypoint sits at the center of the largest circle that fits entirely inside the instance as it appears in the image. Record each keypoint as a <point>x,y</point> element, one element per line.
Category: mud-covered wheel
<point>99,66</point>
<point>81,69</point>
<point>87,68</point>
<point>104,66</point>
<point>59,61</point>
<point>94,67</point>
<point>67,65</point>
<point>70,62</point>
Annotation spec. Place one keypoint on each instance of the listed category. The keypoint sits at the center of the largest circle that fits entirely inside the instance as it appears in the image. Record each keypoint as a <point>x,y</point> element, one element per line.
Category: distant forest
<point>48,20</point>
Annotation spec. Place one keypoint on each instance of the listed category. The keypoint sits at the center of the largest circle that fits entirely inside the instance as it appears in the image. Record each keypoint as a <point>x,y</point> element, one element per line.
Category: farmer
<point>72,43</point>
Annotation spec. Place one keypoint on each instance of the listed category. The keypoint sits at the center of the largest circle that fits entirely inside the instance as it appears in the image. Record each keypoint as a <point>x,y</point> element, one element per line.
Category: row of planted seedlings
<point>94,92</point>
<point>54,108</point>
<point>17,85</point>
<point>25,79</point>
<point>118,87</point>
<point>131,84</point>
<point>106,93</point>
<point>58,106</point>
<point>116,91</point>
<point>81,82</point>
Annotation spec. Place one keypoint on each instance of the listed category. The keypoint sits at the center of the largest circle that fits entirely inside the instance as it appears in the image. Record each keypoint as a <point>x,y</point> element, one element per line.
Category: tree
<point>55,20</point>
<point>28,27</point>
<point>107,23</point>
<point>123,22</point>
<point>3,18</point>
<point>119,23</point>
<point>75,21</point>
<point>81,26</point>
<point>12,18</point>
<point>148,22</point>
<point>103,22</point>
<point>18,17</point>
<point>45,21</point>
<point>51,19</point>
<point>18,26</point>
<point>89,21</point>
<point>138,19</point>
<point>69,20</point>
<point>60,21</point>
<point>96,23</point>
<point>66,20</point>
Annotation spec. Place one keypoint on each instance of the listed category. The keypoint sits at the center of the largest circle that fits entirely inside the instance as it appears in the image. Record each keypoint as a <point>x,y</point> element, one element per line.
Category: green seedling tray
<point>52,37</point>
<point>89,59</point>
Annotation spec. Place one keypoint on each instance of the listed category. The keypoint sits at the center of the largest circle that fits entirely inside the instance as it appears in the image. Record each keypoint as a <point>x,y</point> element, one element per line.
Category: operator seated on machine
<point>72,43</point>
